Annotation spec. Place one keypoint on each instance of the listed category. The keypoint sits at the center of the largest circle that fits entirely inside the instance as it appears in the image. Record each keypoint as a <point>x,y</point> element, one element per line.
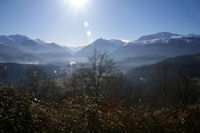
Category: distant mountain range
<point>160,44</point>
<point>146,50</point>
<point>21,49</point>
<point>152,48</point>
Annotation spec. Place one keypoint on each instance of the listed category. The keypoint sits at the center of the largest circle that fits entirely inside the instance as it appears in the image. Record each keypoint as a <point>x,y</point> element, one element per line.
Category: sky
<point>66,23</point>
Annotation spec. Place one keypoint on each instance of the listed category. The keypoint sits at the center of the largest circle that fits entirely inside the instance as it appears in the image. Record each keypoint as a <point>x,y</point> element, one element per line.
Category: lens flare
<point>89,33</point>
<point>86,24</point>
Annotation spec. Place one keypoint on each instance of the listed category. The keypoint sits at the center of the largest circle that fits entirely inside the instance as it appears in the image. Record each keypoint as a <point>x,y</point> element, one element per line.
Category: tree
<point>173,87</point>
<point>97,75</point>
<point>3,70</point>
<point>79,80</point>
<point>189,89</point>
<point>102,70</point>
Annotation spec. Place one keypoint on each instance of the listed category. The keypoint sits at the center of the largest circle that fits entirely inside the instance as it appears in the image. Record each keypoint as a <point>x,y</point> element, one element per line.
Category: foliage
<point>25,113</point>
<point>97,98</point>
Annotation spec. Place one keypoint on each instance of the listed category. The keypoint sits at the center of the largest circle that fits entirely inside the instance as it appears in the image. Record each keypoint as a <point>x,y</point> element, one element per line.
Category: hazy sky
<point>61,22</point>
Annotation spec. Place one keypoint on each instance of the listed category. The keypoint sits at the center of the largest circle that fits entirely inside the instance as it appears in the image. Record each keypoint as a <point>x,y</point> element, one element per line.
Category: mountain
<point>193,35</point>
<point>164,35</point>
<point>102,45</point>
<point>185,65</point>
<point>161,46</point>
<point>117,42</point>
<point>169,47</point>
<point>28,50</point>
<point>16,56</point>
<point>74,50</point>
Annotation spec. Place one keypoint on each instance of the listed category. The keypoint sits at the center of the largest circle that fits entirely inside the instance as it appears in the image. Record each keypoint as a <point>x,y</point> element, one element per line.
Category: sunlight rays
<point>77,4</point>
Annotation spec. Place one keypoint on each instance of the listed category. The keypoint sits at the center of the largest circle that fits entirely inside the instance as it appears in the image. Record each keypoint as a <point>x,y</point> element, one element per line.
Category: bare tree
<point>79,80</point>
<point>102,68</point>
<point>96,76</point>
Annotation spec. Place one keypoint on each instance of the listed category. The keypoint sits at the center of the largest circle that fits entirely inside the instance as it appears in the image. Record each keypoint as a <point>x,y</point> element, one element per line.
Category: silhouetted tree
<point>3,70</point>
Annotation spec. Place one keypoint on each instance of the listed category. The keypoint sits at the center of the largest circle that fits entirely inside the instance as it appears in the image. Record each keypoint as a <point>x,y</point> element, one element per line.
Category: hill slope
<point>185,65</point>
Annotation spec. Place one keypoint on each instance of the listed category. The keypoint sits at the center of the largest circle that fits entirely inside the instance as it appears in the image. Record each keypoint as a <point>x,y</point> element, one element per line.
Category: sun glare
<point>78,4</point>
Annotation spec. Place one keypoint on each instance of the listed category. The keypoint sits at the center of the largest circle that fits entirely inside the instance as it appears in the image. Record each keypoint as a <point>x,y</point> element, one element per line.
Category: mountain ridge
<point>160,45</point>
<point>44,52</point>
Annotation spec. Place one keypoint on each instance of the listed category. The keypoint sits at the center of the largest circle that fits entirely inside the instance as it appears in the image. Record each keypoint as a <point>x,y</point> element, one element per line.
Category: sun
<point>77,4</point>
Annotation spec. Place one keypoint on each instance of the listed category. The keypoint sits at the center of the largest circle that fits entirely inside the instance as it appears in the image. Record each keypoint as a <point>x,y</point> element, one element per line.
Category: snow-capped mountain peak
<point>160,35</point>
